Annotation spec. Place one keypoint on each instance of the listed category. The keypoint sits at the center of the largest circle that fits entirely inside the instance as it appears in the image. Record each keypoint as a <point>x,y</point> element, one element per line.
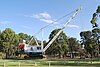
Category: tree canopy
<point>96,15</point>
<point>9,41</point>
<point>60,45</point>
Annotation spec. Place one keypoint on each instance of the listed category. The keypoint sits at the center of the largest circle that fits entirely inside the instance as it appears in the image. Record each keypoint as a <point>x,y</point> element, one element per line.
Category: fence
<point>18,64</point>
<point>49,63</point>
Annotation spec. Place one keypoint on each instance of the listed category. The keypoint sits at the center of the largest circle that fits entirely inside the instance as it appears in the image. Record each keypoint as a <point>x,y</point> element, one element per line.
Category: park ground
<point>55,62</point>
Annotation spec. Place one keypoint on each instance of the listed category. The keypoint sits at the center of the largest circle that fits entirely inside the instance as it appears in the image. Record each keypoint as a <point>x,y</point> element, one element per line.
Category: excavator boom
<point>62,29</point>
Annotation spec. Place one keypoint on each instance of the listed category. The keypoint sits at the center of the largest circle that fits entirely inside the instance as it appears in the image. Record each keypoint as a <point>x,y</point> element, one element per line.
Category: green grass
<point>50,62</point>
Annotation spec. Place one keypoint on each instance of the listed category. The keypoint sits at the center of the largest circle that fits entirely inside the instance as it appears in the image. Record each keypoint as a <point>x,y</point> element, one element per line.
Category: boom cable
<point>51,24</point>
<point>54,21</point>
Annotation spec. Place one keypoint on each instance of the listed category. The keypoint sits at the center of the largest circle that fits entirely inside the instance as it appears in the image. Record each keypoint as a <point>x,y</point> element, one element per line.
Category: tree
<point>23,37</point>
<point>1,46</point>
<point>87,41</point>
<point>59,46</point>
<point>96,29</point>
<point>73,46</point>
<point>96,37</point>
<point>9,40</point>
<point>91,41</point>
<point>95,17</point>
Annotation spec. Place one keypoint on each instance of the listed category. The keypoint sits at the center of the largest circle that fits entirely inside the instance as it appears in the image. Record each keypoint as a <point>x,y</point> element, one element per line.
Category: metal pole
<point>42,39</point>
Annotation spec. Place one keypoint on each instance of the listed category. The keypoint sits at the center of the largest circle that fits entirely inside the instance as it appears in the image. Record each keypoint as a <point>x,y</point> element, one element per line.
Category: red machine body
<point>21,46</point>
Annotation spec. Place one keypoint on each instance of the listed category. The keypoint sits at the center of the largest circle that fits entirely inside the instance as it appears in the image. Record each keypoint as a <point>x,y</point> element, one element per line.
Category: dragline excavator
<point>38,50</point>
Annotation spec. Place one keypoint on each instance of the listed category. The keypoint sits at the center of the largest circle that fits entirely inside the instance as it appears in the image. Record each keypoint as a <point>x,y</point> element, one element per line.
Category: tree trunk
<point>72,56</point>
<point>60,55</point>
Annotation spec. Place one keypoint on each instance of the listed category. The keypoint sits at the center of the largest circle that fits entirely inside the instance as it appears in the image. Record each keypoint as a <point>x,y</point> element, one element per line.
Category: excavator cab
<point>30,51</point>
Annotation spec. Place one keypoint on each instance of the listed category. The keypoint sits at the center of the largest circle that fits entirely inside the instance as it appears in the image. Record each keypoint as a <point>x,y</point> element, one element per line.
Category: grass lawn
<point>50,62</point>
